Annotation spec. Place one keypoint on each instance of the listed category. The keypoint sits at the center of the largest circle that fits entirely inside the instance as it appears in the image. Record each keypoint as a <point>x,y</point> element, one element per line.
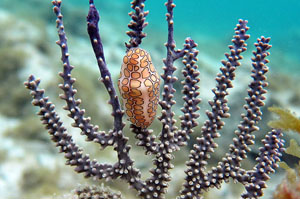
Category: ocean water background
<point>214,21</point>
<point>211,21</point>
<point>30,160</point>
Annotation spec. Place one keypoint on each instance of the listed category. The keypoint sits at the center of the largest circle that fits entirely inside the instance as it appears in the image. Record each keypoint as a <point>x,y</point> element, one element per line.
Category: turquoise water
<point>215,20</point>
<point>211,21</point>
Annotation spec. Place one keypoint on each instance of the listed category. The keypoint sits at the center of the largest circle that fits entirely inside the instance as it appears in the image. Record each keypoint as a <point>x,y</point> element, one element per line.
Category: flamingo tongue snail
<point>139,87</point>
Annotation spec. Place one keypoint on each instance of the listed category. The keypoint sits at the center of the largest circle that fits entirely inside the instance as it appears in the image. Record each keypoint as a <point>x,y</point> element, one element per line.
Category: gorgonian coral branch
<point>73,153</point>
<point>72,106</point>
<point>137,24</point>
<point>230,166</point>
<point>146,139</point>
<point>224,81</point>
<point>269,156</point>
<point>190,92</point>
<point>158,182</point>
<point>95,192</point>
<point>93,31</point>
<point>167,120</point>
<point>125,164</point>
<point>124,167</point>
<point>253,114</point>
<point>195,180</point>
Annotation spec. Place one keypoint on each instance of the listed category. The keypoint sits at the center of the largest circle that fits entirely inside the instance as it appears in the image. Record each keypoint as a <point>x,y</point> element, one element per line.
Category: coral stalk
<point>137,24</point>
<point>93,30</point>
<point>124,167</point>
<point>267,163</point>
<point>59,135</point>
<point>205,144</point>
<point>190,92</point>
<point>72,106</point>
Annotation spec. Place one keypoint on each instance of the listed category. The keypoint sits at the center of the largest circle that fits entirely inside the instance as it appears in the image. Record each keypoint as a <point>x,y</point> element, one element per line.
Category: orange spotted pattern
<point>139,87</point>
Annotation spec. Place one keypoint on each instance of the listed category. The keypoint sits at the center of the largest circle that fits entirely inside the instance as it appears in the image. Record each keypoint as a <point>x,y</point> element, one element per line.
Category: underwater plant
<point>141,92</point>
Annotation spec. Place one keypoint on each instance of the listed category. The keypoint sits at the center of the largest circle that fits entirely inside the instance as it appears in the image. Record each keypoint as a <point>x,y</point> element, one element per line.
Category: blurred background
<point>30,165</point>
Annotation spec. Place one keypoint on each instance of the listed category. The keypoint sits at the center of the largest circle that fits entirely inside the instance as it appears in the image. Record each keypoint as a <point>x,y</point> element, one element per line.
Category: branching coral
<point>95,192</point>
<point>170,139</point>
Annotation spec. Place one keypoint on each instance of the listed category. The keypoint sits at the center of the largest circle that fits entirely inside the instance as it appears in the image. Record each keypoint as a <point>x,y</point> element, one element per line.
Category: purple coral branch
<point>124,167</point>
<point>158,182</point>
<point>169,132</point>
<point>270,154</point>
<point>253,114</point>
<point>224,81</point>
<point>166,118</point>
<point>137,24</point>
<point>55,127</point>
<point>72,106</point>
<point>125,164</point>
<point>273,144</point>
<point>230,166</point>
<point>205,144</point>
<point>190,92</point>
<point>93,31</point>
<point>146,139</point>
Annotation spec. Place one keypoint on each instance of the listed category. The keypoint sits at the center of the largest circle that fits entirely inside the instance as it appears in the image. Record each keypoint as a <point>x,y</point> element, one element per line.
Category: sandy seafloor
<point>30,165</point>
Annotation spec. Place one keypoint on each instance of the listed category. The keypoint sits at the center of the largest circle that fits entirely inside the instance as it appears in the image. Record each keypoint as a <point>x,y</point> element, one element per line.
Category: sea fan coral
<point>171,138</point>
